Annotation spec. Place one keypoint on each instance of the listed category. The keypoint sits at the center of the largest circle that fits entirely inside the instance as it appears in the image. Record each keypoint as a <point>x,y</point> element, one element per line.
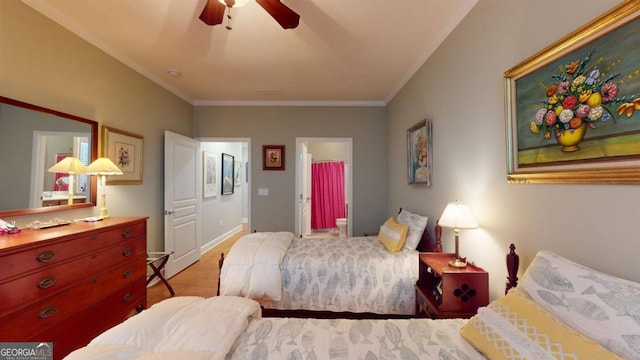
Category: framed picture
<point>238,173</point>
<point>209,173</point>
<point>125,150</point>
<point>573,108</point>
<point>419,153</point>
<point>228,166</point>
<point>272,157</point>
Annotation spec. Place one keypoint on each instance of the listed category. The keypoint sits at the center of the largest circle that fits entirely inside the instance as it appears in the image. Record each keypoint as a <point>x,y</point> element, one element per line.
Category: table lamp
<point>458,216</point>
<point>103,166</point>
<point>69,165</point>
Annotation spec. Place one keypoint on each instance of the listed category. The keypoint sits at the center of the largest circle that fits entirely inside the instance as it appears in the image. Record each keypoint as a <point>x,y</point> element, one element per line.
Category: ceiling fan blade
<point>286,17</point>
<point>213,12</point>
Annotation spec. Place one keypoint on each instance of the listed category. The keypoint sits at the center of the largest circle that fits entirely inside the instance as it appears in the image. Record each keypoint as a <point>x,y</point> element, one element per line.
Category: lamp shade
<point>103,166</point>
<point>458,215</point>
<point>68,165</point>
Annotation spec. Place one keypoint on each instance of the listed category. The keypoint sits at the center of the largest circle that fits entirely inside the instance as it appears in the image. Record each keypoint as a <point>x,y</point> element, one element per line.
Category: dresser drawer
<point>86,324</point>
<point>47,255</point>
<point>50,311</point>
<point>44,256</point>
<point>129,232</point>
<point>119,277</point>
<point>25,290</point>
<point>116,254</point>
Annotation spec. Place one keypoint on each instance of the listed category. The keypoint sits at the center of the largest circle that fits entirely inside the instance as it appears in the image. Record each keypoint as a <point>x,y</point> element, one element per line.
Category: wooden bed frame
<point>425,245</point>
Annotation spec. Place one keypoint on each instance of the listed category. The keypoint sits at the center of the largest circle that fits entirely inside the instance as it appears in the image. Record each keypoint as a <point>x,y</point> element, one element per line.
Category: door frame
<point>248,169</point>
<point>349,178</point>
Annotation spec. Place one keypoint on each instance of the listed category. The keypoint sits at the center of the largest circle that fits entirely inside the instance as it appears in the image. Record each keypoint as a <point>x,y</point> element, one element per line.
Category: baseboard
<point>217,241</point>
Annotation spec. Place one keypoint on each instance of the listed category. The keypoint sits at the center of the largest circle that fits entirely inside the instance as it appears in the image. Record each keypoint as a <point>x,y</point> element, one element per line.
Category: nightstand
<point>443,291</point>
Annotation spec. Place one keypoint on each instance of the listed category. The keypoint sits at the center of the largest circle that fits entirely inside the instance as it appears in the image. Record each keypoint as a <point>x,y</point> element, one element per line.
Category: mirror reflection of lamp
<point>458,216</point>
<point>103,166</point>
<point>69,165</point>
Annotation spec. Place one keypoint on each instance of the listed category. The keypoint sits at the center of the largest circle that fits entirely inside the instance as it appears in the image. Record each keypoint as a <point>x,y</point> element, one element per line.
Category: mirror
<point>33,139</point>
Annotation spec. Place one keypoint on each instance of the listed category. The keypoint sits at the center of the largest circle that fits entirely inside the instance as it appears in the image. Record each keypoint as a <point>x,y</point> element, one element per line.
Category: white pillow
<point>416,224</point>
<point>603,307</point>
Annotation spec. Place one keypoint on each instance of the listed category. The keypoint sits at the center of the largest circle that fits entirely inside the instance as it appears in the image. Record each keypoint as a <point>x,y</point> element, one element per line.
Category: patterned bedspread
<point>288,338</point>
<point>356,274</point>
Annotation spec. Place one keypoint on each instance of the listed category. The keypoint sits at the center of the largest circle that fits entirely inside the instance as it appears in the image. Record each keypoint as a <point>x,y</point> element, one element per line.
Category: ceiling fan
<point>213,12</point>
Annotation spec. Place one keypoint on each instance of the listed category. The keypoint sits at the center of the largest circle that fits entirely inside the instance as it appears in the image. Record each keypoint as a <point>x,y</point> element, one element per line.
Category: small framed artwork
<point>125,150</point>
<point>272,157</point>
<point>238,173</point>
<point>228,166</point>
<point>572,108</point>
<point>209,188</point>
<point>419,153</point>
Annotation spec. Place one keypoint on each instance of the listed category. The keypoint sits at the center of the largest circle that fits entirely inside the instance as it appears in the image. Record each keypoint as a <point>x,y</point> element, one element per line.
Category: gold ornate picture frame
<point>573,109</point>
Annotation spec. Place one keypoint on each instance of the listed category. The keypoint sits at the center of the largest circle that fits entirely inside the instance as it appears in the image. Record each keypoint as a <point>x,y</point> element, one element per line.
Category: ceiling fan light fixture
<point>234,3</point>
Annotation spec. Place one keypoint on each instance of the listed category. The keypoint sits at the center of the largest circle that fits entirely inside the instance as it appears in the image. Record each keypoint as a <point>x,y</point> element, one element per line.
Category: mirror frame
<point>94,155</point>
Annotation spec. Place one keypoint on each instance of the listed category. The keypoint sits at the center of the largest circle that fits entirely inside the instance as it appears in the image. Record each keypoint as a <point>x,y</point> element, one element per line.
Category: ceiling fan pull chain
<point>228,27</point>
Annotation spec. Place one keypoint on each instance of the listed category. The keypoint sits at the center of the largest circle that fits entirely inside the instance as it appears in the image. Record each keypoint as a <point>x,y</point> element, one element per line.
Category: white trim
<point>287,103</point>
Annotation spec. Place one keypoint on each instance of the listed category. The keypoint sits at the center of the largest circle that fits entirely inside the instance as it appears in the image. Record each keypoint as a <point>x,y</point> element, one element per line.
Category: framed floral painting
<point>573,109</point>
<point>272,157</point>
<point>125,150</point>
<point>419,153</point>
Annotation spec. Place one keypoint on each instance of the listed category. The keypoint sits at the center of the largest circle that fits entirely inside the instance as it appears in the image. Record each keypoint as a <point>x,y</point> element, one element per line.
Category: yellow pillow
<point>392,235</point>
<point>515,326</point>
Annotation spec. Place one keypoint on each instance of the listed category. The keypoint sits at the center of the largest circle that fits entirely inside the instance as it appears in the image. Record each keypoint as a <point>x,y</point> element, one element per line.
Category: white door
<point>182,184</point>
<point>306,193</point>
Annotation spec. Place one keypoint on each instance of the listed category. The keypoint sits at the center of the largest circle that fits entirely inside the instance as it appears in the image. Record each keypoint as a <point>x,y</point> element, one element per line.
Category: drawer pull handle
<point>47,282</point>
<point>127,252</point>
<point>127,234</point>
<point>128,297</point>
<point>46,256</point>
<point>127,273</point>
<point>47,312</point>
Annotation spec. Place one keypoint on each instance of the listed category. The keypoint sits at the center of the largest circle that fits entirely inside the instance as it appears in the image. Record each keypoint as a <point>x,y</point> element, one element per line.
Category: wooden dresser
<point>67,284</point>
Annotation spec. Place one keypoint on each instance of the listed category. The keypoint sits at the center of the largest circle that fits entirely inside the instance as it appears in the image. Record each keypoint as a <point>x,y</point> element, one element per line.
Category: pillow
<point>393,235</point>
<point>515,327</point>
<point>416,224</point>
<point>601,306</point>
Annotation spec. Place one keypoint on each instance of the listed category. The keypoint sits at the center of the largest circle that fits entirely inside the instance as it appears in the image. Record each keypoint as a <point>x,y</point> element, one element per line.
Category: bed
<point>560,310</point>
<point>366,276</point>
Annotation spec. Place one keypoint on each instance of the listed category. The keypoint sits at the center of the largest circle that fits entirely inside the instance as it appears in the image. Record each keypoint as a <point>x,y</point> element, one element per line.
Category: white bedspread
<point>252,267</point>
<point>191,328</point>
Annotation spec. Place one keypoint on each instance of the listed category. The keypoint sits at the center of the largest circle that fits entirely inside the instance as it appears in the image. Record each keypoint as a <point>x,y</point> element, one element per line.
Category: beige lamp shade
<point>68,165</point>
<point>103,166</point>
<point>458,215</point>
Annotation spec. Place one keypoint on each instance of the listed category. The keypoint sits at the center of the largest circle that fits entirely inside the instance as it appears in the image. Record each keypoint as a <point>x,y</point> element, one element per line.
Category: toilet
<point>341,223</point>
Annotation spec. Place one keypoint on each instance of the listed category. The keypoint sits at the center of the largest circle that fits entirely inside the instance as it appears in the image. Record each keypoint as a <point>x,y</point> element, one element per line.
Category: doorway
<point>226,208</point>
<point>321,150</point>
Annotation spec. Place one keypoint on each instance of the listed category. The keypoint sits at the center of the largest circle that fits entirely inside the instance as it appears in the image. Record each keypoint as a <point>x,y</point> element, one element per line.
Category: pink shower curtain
<point>327,194</point>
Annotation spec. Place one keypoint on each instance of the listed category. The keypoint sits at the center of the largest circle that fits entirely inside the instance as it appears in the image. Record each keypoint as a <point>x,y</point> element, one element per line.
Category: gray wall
<point>281,126</point>
<point>46,65</point>
<point>460,88</point>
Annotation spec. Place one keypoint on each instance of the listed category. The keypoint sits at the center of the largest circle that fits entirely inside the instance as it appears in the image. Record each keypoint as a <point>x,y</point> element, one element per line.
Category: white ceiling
<point>344,52</point>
